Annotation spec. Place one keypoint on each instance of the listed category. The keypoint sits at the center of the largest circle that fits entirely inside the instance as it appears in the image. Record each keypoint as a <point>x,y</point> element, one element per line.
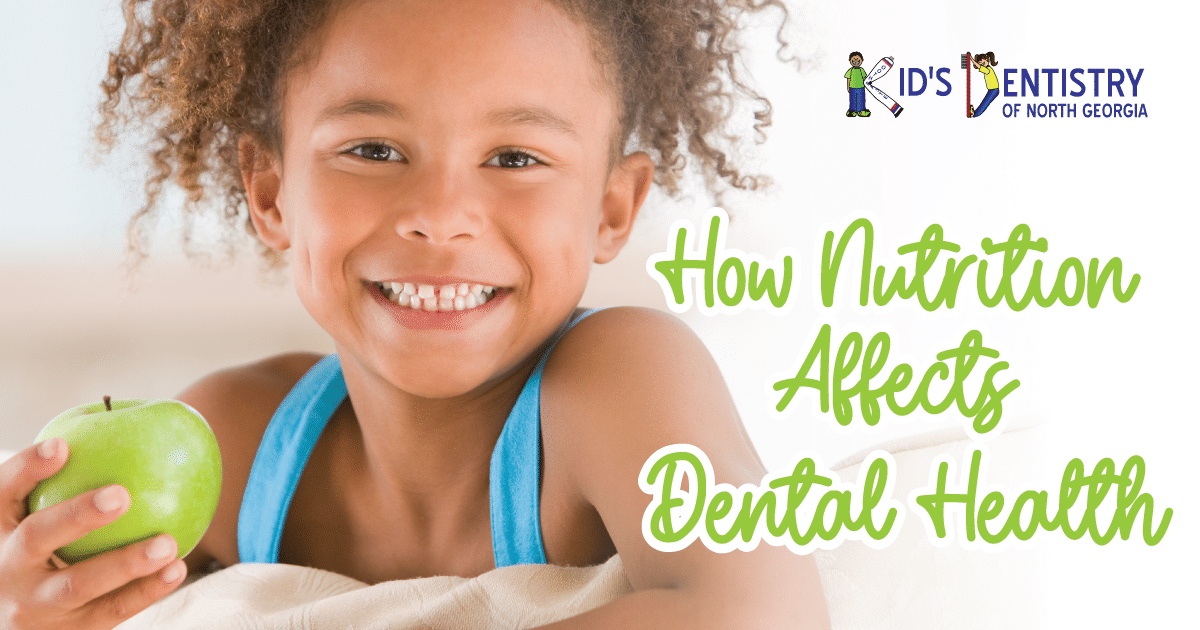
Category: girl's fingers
<point>21,474</point>
<point>46,530</point>
<point>74,587</point>
<point>117,606</point>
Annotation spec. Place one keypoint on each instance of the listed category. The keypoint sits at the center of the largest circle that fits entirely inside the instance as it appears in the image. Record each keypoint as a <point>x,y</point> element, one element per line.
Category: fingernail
<point>172,574</point>
<point>48,449</point>
<point>160,548</point>
<point>108,499</point>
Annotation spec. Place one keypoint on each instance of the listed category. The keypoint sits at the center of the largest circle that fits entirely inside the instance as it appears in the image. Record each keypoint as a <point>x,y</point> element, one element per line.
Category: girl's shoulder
<point>627,357</point>
<point>622,384</point>
<point>238,403</point>
<point>625,382</point>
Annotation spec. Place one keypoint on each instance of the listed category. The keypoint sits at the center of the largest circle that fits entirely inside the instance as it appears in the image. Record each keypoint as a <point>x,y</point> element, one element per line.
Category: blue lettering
<point>940,72</point>
<point>1116,84</point>
<point>913,90</point>
<point>1095,72</point>
<point>1050,72</point>
<point>1027,80</point>
<point>1009,81</point>
<point>1082,87</point>
<point>1134,80</point>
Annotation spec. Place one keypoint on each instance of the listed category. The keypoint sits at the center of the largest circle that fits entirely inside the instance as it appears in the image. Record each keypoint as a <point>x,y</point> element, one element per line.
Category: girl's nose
<point>439,208</point>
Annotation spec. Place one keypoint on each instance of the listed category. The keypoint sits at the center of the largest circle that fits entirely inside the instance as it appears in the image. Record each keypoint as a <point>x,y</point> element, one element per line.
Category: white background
<point>1115,381</point>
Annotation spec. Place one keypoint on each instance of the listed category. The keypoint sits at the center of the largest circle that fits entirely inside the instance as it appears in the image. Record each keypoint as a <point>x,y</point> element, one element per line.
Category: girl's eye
<point>376,152</point>
<point>512,159</point>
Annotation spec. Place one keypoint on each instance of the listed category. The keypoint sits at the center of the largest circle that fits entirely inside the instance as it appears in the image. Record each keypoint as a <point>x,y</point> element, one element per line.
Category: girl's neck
<point>426,447</point>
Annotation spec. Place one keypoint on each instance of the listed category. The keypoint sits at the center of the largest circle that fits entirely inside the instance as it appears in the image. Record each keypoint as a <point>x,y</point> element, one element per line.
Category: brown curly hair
<point>201,73</point>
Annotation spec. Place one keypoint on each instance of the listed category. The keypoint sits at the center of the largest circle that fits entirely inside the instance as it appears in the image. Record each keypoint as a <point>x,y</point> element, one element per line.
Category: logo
<point>1029,92</point>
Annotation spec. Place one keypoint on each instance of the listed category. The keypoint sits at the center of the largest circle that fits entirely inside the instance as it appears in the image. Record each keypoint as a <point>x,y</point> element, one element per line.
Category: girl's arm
<point>623,384</point>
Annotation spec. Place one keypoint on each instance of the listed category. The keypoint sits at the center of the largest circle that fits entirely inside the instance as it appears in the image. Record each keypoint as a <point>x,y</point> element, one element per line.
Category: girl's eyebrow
<point>518,115</point>
<point>362,106</point>
<point>532,115</point>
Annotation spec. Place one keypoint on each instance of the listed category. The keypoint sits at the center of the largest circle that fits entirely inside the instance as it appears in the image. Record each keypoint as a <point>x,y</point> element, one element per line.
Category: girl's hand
<point>98,593</point>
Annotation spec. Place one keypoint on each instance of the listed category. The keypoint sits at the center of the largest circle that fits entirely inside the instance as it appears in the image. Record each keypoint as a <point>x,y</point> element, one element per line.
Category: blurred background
<point>1116,380</point>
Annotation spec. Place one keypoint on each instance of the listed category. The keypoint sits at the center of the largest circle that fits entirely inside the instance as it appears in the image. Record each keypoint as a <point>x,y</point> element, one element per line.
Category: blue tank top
<point>513,482</point>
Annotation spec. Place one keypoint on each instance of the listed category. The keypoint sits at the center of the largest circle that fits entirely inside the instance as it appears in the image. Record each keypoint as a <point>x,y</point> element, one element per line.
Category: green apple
<point>161,451</point>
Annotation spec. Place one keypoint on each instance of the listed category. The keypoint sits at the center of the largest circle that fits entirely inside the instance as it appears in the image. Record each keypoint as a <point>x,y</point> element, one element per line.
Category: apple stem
<point>107,403</point>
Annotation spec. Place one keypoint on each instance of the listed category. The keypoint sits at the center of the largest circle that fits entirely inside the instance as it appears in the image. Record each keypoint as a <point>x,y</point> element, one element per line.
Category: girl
<point>442,175</point>
<point>984,63</point>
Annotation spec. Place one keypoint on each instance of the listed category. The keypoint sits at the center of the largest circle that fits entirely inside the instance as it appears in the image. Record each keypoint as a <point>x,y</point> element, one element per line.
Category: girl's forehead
<point>457,54</point>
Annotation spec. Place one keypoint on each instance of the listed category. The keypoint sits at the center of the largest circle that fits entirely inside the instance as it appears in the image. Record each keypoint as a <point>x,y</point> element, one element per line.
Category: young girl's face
<point>444,143</point>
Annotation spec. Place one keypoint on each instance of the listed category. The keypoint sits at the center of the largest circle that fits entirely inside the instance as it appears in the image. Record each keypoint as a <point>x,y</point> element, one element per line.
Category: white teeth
<point>446,298</point>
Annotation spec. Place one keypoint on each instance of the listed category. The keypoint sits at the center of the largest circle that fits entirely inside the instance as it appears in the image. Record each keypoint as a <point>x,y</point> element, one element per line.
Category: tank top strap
<point>515,475</point>
<point>282,454</point>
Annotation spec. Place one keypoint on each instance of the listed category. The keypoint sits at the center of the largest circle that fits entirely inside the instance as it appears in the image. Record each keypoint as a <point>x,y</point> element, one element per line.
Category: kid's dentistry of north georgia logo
<point>1022,92</point>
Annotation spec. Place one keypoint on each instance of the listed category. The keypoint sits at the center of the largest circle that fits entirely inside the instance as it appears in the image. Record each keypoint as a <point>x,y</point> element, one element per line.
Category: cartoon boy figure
<point>856,86</point>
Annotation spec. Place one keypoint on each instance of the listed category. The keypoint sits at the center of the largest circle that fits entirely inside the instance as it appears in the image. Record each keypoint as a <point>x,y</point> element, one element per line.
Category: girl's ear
<point>260,177</point>
<point>628,185</point>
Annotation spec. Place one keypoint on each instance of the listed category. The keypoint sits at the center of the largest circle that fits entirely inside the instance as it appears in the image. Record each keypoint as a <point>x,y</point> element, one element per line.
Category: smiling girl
<point>441,176</point>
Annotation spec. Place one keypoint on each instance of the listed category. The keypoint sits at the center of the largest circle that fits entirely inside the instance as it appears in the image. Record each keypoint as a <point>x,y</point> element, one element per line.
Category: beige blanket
<point>253,596</point>
<point>910,584</point>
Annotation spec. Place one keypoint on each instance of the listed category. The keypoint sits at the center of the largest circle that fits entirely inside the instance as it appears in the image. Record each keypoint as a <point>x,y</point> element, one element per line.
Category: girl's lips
<point>437,281</point>
<point>421,319</point>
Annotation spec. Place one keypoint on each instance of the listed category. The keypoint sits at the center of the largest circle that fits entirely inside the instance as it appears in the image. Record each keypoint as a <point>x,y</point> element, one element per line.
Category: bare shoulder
<point>629,329</point>
<point>649,377</point>
<point>616,346</point>
<point>625,382</point>
<point>238,403</point>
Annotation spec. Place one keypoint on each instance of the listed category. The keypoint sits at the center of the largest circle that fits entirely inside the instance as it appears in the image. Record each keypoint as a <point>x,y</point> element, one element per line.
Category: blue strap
<point>514,482</point>
<point>282,454</point>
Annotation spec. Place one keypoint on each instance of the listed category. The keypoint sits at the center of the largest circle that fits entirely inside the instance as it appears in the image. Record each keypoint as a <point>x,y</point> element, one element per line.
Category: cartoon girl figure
<point>984,63</point>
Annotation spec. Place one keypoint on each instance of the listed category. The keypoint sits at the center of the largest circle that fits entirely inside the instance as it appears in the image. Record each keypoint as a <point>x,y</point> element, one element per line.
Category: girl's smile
<point>445,184</point>
<point>448,306</point>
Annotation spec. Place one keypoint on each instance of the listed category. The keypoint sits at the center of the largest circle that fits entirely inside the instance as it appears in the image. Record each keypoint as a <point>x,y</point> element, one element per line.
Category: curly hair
<point>200,74</point>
